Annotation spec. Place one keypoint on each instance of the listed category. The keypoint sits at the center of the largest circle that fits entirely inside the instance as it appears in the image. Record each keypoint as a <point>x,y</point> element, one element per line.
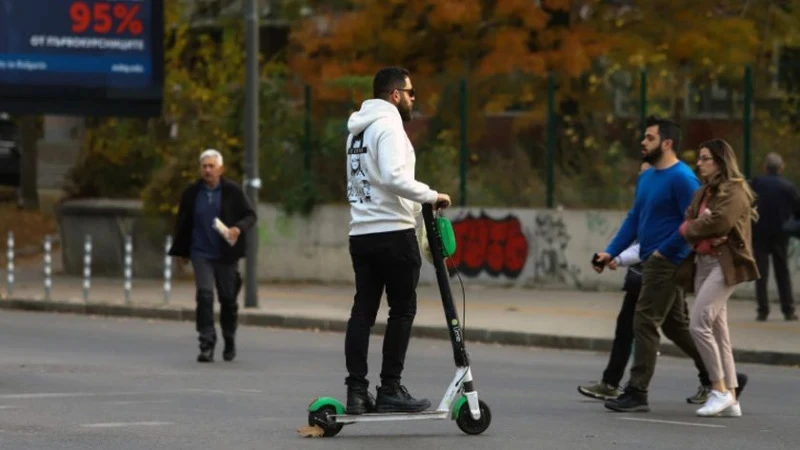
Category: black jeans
<point>778,247</point>
<point>381,261</point>
<point>623,336</point>
<point>661,304</point>
<point>225,277</point>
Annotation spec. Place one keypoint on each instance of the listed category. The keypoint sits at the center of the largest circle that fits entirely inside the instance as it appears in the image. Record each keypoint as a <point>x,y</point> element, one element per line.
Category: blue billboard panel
<point>81,57</point>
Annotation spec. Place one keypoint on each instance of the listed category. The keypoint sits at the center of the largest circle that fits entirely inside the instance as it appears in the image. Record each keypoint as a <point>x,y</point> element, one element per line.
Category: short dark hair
<point>667,129</point>
<point>387,80</point>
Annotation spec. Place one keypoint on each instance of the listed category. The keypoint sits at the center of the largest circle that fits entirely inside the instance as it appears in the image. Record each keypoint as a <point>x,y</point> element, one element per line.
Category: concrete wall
<point>515,248</point>
<point>501,247</point>
<point>108,222</point>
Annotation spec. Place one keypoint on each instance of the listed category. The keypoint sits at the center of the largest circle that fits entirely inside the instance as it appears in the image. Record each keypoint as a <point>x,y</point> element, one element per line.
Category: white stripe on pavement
<point>138,402</point>
<point>124,424</point>
<point>673,422</point>
<point>39,395</point>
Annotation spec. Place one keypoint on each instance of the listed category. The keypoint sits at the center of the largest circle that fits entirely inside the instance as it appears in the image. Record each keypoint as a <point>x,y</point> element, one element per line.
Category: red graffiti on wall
<point>496,246</point>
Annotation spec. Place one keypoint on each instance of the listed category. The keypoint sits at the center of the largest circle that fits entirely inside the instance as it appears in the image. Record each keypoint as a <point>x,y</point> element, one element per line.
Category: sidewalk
<point>556,319</point>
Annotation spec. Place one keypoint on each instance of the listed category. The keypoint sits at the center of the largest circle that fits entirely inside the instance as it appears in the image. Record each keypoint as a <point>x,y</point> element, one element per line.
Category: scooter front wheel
<point>471,426</point>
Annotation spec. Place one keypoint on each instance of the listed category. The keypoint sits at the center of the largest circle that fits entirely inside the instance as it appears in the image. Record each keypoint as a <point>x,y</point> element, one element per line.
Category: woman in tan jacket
<point>718,227</point>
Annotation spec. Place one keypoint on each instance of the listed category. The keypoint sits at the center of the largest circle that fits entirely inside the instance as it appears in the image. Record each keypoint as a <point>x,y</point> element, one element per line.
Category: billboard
<point>82,57</point>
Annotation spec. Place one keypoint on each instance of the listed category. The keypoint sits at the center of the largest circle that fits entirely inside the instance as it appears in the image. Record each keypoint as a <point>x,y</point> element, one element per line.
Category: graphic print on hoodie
<point>381,189</point>
<point>358,186</point>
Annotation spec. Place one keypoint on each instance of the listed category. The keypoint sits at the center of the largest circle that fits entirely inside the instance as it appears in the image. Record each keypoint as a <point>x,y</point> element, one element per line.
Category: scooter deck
<point>378,417</point>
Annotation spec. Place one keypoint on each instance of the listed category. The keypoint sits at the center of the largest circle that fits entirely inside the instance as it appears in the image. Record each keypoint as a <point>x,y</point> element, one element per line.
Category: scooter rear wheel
<point>471,426</point>
<point>321,418</point>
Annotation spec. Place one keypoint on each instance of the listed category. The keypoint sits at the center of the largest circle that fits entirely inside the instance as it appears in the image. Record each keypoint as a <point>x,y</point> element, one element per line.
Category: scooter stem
<point>442,277</point>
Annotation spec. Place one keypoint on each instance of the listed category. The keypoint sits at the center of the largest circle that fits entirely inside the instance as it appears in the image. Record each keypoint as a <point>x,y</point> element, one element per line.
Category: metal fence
<point>47,270</point>
<point>534,141</point>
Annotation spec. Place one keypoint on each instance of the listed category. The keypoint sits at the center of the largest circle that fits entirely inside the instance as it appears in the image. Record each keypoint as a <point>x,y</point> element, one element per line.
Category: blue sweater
<point>206,242</point>
<point>659,208</point>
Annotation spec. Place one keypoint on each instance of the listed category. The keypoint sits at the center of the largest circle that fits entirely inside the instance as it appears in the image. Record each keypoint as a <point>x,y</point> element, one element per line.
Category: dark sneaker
<point>229,352</point>
<point>359,400</point>
<point>792,317</point>
<point>761,317</point>
<point>631,400</point>
<point>206,355</point>
<point>395,398</point>
<point>700,396</point>
<point>741,380</point>
<point>600,391</point>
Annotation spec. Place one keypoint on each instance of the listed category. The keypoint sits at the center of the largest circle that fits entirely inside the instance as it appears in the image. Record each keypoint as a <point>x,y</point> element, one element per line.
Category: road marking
<point>138,402</point>
<point>224,392</point>
<point>8,407</point>
<point>125,424</point>
<point>38,395</point>
<point>673,422</point>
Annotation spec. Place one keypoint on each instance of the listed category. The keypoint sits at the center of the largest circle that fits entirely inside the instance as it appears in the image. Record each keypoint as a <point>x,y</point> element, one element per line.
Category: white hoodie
<point>383,194</point>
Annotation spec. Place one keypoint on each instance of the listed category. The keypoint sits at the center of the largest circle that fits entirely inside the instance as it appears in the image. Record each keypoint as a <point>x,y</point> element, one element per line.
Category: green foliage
<point>203,108</point>
<point>301,146</point>
<point>109,166</point>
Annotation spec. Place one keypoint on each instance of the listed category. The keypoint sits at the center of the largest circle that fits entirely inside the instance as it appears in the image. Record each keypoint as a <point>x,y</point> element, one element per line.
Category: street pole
<point>253,182</point>
<point>747,120</point>
<point>551,139</point>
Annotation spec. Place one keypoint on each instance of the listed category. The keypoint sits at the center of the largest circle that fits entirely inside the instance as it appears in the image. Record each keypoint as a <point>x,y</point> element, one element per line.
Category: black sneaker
<point>206,355</point>
<point>631,400</point>
<point>741,380</point>
<point>395,398</point>
<point>229,352</point>
<point>359,400</point>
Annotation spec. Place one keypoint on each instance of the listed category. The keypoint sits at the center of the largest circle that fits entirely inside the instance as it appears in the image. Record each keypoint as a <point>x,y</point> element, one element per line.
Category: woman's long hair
<point>725,158</point>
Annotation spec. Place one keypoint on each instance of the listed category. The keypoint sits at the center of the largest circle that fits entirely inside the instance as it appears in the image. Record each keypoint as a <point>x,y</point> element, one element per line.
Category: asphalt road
<point>74,382</point>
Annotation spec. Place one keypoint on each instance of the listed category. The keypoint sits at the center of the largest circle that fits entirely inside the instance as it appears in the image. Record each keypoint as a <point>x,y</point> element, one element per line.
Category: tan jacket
<point>730,216</point>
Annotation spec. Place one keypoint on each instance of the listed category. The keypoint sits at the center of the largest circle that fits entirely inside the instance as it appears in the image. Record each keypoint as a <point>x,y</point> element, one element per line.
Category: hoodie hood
<point>371,110</point>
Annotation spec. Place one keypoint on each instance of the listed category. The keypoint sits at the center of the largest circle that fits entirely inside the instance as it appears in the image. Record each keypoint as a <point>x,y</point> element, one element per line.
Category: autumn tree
<point>595,48</point>
<point>504,49</point>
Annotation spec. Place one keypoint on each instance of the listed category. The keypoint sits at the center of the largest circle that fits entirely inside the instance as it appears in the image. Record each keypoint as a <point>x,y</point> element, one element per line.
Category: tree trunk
<point>29,181</point>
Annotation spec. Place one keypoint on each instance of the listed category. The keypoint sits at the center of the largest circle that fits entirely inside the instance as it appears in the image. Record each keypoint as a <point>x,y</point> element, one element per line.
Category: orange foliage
<point>442,40</point>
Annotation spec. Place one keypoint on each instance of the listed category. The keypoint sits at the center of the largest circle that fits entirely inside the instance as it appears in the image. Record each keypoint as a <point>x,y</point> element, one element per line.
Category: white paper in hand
<point>223,231</point>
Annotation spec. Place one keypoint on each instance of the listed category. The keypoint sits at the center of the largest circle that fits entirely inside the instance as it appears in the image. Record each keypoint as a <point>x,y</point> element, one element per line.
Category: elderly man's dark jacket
<point>236,211</point>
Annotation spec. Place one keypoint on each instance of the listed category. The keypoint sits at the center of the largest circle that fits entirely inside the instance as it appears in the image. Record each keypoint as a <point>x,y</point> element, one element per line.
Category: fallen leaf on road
<point>312,431</point>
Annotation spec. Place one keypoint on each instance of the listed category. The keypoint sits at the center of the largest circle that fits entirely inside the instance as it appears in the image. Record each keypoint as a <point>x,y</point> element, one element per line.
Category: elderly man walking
<point>213,217</point>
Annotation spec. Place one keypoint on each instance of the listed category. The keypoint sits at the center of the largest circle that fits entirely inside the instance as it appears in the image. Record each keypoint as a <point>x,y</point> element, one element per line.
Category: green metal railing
<point>552,134</point>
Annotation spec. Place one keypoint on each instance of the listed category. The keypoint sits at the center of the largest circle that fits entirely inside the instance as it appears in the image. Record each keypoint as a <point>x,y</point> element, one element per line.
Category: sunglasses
<point>411,92</point>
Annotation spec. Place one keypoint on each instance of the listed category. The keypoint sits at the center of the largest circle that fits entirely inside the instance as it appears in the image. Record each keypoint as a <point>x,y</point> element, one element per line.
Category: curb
<point>482,335</point>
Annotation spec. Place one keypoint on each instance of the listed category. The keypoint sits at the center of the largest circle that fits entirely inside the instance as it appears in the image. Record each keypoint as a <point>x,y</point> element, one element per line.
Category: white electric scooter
<point>460,401</point>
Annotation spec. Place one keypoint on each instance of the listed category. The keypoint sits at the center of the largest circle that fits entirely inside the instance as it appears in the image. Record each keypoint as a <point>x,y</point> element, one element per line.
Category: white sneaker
<point>716,403</point>
<point>735,410</point>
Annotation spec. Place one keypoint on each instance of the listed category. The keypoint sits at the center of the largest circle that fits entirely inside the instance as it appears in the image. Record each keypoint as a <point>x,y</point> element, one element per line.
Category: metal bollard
<point>167,270</point>
<point>48,270</point>
<point>87,267</point>
<point>10,264</point>
<point>128,269</point>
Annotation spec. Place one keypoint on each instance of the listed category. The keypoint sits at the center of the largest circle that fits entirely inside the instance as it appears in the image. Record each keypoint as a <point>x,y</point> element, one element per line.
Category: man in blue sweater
<point>663,194</point>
